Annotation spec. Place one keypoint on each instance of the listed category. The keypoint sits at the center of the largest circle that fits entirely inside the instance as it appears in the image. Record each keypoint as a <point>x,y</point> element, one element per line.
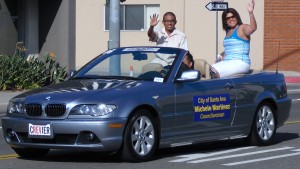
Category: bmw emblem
<point>48,98</point>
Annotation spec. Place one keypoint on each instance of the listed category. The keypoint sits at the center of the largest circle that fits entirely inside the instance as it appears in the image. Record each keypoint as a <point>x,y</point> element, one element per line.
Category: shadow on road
<point>283,137</point>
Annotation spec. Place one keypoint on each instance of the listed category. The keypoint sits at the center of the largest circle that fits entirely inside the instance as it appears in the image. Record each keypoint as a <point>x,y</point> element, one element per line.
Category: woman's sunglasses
<point>230,17</point>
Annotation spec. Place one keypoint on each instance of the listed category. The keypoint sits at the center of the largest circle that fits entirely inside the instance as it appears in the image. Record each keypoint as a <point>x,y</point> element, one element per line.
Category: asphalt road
<point>284,153</point>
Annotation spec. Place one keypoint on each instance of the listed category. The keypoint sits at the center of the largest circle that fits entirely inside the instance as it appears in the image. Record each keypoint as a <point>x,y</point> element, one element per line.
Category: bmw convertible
<point>132,101</point>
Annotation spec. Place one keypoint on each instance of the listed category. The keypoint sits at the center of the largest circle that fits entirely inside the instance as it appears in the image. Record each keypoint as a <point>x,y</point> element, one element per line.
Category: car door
<point>248,88</point>
<point>204,109</point>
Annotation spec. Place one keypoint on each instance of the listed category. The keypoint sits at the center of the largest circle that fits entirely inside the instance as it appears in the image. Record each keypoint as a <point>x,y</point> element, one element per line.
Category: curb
<point>3,108</point>
<point>292,79</point>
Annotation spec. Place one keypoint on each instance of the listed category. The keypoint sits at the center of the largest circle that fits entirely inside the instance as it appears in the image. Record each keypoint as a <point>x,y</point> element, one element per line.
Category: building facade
<point>282,35</point>
<point>77,31</point>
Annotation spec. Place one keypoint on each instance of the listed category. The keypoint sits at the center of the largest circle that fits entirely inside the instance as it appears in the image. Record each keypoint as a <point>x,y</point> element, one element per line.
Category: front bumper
<point>87,134</point>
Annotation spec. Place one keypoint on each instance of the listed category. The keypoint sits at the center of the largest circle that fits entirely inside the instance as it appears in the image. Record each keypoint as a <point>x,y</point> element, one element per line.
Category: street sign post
<point>217,6</point>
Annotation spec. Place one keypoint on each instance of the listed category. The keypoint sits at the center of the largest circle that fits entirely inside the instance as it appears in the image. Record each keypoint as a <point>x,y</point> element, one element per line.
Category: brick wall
<point>282,26</point>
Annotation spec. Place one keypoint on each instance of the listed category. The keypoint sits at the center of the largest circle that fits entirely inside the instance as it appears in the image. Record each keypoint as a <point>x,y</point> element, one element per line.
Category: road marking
<point>9,156</point>
<point>240,155</point>
<point>262,159</point>
<point>196,156</point>
<point>295,100</point>
<point>292,122</point>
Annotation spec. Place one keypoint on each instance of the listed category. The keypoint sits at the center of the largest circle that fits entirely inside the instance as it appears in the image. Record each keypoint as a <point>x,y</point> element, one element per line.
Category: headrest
<point>152,67</point>
<point>200,64</point>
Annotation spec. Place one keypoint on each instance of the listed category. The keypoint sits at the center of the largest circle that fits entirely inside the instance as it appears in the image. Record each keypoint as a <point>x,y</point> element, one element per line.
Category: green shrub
<point>16,73</point>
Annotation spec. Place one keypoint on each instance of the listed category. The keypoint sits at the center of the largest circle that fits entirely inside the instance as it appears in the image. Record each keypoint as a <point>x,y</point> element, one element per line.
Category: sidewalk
<point>291,77</point>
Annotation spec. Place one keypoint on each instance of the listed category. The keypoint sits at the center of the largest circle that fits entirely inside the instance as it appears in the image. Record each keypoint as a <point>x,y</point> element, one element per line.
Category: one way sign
<point>217,6</point>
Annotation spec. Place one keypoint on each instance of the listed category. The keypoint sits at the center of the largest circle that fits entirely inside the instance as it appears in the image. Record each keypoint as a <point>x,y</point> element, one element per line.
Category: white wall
<point>200,27</point>
<point>193,18</point>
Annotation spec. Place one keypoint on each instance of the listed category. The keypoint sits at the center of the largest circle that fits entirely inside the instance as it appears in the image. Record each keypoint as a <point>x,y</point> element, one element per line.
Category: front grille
<point>58,139</point>
<point>55,110</point>
<point>33,109</point>
<point>51,110</point>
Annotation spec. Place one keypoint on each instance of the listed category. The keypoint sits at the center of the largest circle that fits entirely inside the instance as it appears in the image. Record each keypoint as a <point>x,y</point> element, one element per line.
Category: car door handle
<point>229,86</point>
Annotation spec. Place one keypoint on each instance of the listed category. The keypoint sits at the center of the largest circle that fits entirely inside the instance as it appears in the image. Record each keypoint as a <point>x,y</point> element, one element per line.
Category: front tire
<point>140,137</point>
<point>31,152</point>
<point>264,126</point>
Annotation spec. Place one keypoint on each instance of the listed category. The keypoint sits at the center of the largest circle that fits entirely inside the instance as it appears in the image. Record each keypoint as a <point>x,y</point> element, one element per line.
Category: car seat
<point>203,67</point>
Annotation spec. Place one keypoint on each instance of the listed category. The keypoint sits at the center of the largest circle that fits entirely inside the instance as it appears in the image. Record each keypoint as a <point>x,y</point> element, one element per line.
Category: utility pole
<point>114,35</point>
<point>114,24</point>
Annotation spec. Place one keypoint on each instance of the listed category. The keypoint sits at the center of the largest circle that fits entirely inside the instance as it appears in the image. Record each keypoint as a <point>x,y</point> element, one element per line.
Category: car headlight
<point>15,106</point>
<point>93,110</point>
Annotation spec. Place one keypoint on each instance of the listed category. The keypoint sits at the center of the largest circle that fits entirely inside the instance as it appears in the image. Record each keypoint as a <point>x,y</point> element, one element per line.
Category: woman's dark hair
<point>183,66</point>
<point>190,57</point>
<point>234,13</point>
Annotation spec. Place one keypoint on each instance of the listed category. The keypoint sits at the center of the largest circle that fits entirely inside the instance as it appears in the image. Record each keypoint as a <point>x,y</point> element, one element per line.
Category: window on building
<point>133,17</point>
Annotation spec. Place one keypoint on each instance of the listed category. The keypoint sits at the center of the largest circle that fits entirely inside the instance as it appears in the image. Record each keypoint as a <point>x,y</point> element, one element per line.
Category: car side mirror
<point>189,76</point>
<point>72,73</point>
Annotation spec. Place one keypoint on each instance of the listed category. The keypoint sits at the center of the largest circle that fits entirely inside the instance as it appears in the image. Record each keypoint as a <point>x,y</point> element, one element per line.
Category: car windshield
<point>136,63</point>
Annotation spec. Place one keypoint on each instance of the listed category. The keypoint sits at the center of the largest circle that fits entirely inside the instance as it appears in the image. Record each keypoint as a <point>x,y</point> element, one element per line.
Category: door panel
<point>248,90</point>
<point>205,107</point>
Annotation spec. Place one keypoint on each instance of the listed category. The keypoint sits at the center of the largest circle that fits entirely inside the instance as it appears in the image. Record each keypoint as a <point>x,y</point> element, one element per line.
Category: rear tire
<point>31,152</point>
<point>264,126</point>
<point>140,137</point>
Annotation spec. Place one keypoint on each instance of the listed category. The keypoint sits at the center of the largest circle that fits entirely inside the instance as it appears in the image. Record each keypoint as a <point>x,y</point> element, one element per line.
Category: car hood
<point>86,90</point>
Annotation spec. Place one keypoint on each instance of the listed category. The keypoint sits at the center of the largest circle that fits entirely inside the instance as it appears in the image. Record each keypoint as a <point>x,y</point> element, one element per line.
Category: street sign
<point>217,6</point>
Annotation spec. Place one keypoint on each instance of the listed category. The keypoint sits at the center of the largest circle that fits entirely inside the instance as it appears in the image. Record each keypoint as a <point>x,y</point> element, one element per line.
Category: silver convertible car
<point>133,100</point>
